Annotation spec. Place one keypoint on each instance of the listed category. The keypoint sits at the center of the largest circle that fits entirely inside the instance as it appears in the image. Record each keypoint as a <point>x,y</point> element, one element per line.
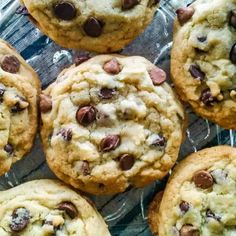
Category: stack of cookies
<point>111,122</point>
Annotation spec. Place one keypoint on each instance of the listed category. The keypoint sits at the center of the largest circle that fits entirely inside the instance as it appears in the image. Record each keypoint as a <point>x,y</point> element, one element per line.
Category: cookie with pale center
<point>200,196</point>
<point>48,207</point>
<point>110,123</point>
<point>19,90</point>
<point>203,59</point>
<point>102,26</point>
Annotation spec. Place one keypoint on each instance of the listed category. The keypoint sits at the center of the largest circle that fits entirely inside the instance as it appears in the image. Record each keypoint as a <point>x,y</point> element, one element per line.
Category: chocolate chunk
<point>93,27</point>
<point>107,93</point>
<point>158,76</point>
<point>126,161</point>
<point>202,39</point>
<point>184,206</point>
<point>210,214</point>
<point>196,72</point>
<point>85,168</point>
<point>2,91</point>
<point>45,103</point>
<point>232,18</point>
<point>86,115</point>
<point>233,54</point>
<point>20,219</point>
<point>109,143</point>
<point>203,179</point>
<point>189,230</point>
<point>184,14</point>
<point>80,59</point>
<point>112,67</point>
<point>10,64</point>
<point>69,208</point>
<point>128,4</point>
<point>9,149</point>
<point>66,134</point>
<point>207,98</point>
<point>22,10</point>
<point>65,10</point>
<point>159,142</point>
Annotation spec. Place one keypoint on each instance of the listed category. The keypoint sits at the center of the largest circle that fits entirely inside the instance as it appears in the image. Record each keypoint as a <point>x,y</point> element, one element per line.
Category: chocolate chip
<point>85,168</point>
<point>184,14</point>
<point>159,142</point>
<point>202,39</point>
<point>66,134</point>
<point>86,115</point>
<point>184,206</point>
<point>45,103</point>
<point>107,93</point>
<point>112,67</point>
<point>8,148</point>
<point>80,59</point>
<point>20,219</point>
<point>233,54</point>
<point>65,10</point>
<point>158,76</point>
<point>2,91</point>
<point>126,161</point>
<point>207,98</point>
<point>93,27</point>
<point>210,214</point>
<point>10,64</point>
<point>232,18</point>
<point>69,208</point>
<point>128,4</point>
<point>203,179</point>
<point>109,143</point>
<point>22,11</point>
<point>189,230</point>
<point>196,72</point>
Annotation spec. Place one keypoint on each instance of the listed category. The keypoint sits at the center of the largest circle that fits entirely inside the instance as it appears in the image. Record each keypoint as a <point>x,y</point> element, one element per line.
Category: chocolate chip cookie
<point>47,207</point>
<point>203,63</point>
<point>101,26</point>
<point>111,122</point>
<point>19,89</point>
<point>200,196</point>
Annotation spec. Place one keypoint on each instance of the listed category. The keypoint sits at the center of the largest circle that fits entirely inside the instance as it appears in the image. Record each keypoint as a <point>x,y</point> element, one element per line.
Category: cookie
<point>152,213</point>
<point>48,207</point>
<point>104,27</point>
<point>111,122</point>
<point>200,196</point>
<point>203,62</point>
<point>19,89</point>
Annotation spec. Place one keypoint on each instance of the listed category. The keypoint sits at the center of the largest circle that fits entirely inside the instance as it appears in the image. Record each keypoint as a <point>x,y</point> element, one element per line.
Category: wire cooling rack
<point>126,213</point>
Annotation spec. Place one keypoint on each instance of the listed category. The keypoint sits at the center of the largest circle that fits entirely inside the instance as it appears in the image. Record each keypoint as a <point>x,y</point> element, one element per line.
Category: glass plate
<point>126,213</point>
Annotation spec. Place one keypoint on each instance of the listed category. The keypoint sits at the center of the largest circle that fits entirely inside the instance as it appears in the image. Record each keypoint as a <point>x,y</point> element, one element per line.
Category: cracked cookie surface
<point>203,63</point>
<point>48,207</point>
<point>19,89</point>
<point>200,196</point>
<point>111,122</point>
<point>102,26</point>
